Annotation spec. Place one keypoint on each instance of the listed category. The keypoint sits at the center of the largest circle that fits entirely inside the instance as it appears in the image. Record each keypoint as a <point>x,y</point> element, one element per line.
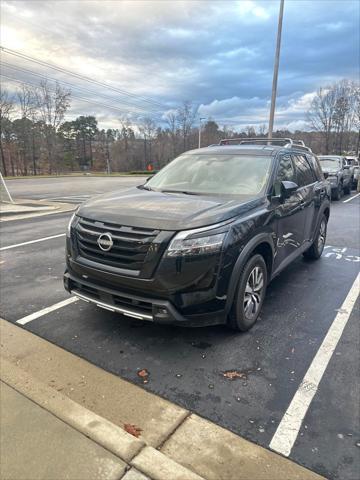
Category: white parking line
<point>44,311</point>
<point>288,429</point>
<point>33,241</point>
<point>351,198</point>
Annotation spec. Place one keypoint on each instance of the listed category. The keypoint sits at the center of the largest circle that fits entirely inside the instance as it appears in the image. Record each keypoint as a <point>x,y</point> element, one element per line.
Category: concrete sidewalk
<point>22,209</point>
<point>35,444</point>
<point>63,417</point>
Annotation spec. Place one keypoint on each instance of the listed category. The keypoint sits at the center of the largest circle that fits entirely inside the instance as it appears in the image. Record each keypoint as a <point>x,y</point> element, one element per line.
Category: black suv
<point>198,243</point>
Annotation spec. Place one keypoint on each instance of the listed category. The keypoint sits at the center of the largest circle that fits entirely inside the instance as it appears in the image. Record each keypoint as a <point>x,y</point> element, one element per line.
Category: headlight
<point>181,245</point>
<point>68,231</point>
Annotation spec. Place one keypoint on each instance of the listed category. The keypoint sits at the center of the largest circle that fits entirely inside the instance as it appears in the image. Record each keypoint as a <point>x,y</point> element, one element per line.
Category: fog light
<point>161,311</point>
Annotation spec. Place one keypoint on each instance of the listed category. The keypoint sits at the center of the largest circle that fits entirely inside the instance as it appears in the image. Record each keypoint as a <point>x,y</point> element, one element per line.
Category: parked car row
<point>341,172</point>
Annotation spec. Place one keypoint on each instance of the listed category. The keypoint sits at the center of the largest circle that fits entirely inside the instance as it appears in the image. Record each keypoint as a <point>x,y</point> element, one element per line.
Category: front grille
<point>129,249</point>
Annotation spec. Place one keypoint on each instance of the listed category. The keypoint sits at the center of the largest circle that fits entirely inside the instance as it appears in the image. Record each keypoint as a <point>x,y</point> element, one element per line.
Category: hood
<point>138,207</point>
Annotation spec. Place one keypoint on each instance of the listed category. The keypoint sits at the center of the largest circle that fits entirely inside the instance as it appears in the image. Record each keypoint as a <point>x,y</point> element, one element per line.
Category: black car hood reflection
<point>138,207</point>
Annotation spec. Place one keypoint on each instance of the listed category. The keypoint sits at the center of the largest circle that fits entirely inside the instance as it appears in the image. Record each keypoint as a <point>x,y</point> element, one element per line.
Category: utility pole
<point>201,118</point>
<point>276,70</point>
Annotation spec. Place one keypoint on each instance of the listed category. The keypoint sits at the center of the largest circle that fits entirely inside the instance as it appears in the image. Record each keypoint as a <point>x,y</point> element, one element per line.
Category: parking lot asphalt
<point>186,366</point>
<point>71,189</point>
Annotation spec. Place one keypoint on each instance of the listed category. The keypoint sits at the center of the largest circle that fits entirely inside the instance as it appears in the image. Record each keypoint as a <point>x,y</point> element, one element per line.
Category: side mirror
<point>288,188</point>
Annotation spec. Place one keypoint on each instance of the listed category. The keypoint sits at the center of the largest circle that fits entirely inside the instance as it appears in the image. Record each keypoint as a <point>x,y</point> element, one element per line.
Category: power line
<point>48,31</point>
<point>81,89</point>
<point>82,77</point>
<point>75,96</point>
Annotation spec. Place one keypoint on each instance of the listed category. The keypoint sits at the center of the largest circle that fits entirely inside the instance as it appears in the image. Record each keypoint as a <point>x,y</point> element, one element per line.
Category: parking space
<point>187,366</point>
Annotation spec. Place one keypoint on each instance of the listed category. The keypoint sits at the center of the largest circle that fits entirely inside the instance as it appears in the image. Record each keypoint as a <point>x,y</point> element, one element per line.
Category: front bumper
<point>334,184</point>
<point>138,307</point>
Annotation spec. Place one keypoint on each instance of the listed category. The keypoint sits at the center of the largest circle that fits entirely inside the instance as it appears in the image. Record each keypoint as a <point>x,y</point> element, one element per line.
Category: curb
<point>113,438</point>
<point>159,467</point>
<point>22,211</point>
<point>173,439</point>
<point>42,210</point>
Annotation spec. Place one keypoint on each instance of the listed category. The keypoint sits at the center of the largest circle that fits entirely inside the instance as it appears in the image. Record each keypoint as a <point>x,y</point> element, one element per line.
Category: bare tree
<point>342,115</point>
<point>356,110</point>
<point>27,100</point>
<point>262,130</point>
<point>185,119</point>
<point>322,112</point>
<point>6,108</point>
<point>250,131</point>
<point>27,97</point>
<point>126,135</point>
<point>52,104</point>
<point>148,130</point>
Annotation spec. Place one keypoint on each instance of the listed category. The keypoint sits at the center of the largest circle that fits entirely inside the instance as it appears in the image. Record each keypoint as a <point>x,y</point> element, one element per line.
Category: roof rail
<point>252,140</point>
<point>286,142</point>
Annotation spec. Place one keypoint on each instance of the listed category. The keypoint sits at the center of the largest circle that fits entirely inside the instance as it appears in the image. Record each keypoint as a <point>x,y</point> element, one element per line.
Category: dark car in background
<point>338,173</point>
<point>199,242</point>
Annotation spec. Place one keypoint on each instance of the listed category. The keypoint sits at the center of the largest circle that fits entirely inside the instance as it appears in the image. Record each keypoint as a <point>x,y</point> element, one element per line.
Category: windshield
<point>214,174</point>
<point>330,163</point>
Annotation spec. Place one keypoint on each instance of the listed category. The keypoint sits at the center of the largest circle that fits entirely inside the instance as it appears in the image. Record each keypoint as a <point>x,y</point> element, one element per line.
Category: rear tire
<point>347,189</point>
<point>249,294</point>
<point>338,193</point>
<point>316,249</point>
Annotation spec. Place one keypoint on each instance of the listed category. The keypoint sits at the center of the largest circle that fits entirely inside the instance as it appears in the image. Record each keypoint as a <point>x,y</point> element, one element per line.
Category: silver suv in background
<point>337,171</point>
<point>353,162</point>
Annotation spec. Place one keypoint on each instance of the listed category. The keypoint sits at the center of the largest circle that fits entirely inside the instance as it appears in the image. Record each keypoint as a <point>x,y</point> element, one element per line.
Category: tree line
<point>37,139</point>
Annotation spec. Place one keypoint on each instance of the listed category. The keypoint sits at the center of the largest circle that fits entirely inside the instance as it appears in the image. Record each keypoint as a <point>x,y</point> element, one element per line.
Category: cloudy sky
<point>149,56</point>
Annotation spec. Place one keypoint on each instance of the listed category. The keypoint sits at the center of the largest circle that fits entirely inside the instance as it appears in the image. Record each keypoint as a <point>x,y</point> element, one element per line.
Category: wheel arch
<point>262,244</point>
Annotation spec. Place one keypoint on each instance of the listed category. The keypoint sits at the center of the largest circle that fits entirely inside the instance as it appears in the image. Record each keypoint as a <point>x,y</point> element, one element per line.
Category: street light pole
<point>201,118</point>
<point>276,70</point>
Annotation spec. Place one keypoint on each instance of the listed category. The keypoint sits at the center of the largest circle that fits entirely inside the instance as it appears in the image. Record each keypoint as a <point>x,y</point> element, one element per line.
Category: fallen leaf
<point>132,429</point>
<point>144,374</point>
<point>234,374</point>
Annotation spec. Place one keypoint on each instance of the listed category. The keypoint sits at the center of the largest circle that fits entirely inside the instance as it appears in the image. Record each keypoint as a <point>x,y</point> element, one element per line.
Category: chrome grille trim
<point>112,308</point>
<point>130,244</point>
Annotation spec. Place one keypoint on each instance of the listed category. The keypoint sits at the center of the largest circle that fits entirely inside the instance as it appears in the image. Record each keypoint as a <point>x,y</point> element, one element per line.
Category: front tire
<point>249,295</point>
<point>316,249</point>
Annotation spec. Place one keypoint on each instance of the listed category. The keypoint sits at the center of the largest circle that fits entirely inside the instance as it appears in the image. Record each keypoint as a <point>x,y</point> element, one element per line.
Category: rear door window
<point>304,173</point>
<point>315,165</point>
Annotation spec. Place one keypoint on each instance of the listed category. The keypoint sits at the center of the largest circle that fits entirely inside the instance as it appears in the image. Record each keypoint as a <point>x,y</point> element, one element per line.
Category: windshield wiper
<point>180,191</point>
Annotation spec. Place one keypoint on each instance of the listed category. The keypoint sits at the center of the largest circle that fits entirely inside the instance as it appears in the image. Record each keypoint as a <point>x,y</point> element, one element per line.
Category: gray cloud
<point>219,55</point>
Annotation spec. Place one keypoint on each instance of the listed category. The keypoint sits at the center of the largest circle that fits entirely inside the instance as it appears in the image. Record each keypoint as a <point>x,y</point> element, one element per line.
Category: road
<point>69,189</point>
<point>186,365</point>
